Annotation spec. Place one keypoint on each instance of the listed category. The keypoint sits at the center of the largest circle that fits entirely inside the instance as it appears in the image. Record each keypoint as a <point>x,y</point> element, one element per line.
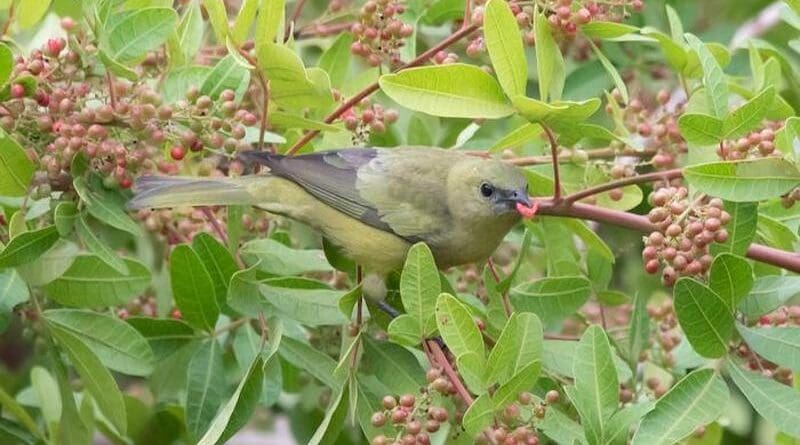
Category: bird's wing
<point>386,189</point>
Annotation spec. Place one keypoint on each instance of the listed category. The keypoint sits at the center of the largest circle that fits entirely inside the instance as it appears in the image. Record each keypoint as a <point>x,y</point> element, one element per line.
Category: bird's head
<point>486,189</point>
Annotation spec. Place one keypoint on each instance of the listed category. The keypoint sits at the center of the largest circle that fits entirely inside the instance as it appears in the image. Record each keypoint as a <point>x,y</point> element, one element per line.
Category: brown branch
<point>298,9</point>
<point>554,158</point>
<point>638,179</point>
<point>263,82</point>
<point>323,30</point>
<point>441,359</point>
<point>371,88</point>
<point>601,153</point>
<point>776,257</point>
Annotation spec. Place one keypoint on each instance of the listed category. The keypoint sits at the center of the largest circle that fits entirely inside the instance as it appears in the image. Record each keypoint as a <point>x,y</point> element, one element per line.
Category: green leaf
<point>270,20</point>
<point>90,282</point>
<point>420,287</point>
<point>311,360</point>
<point>716,87</point>
<point>139,31</point>
<point>98,246</point>
<point>165,335</point>
<point>596,384</point>
<point>227,74</point>
<point>117,345</point>
<point>13,291</point>
<point>704,316</point>
<point>6,63</point>
<point>522,381</point>
<point>205,387</point>
<point>696,400</point>
<point>519,344</point>
<point>619,84</point>
<point>780,345</point>
<point>105,205</point>
<point>701,129</point>
<point>639,327</point>
<point>741,228</point>
<point>28,246</point>
<point>393,365</point>
<point>550,65</point>
<point>31,13</point>
<point>286,120</point>
<point>244,20</point>
<point>15,410</point>
<point>452,90</point>
<point>51,265</point>
<point>731,277</point>
<point>506,52</point>
<point>192,288</point>
<point>276,258</point>
<point>404,330</point>
<point>178,81</point>
<point>237,411</point>
<point>749,115</point>
<point>334,420</point>
<point>769,293</point>
<point>607,30</point>
<point>218,17</point>
<point>518,137</point>
<point>312,307</point>
<point>335,61</point>
<point>219,263</point>
<point>16,169</point>
<point>457,327</point>
<point>561,115</point>
<point>479,415</point>
<point>776,402</point>
<point>190,31</point>
<point>551,298</point>
<point>95,376</point>
<point>64,217</point>
<point>673,48</point>
<point>744,181</point>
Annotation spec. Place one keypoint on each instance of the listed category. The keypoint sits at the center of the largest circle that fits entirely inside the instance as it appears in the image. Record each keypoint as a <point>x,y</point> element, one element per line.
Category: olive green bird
<point>373,203</point>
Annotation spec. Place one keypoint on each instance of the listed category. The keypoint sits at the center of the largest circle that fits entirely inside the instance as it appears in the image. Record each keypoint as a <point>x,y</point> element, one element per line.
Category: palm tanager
<point>373,203</point>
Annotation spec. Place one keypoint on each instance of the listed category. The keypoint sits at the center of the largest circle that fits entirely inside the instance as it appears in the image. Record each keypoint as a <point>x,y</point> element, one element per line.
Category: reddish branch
<point>776,257</point>
<point>451,374</point>
<point>373,87</point>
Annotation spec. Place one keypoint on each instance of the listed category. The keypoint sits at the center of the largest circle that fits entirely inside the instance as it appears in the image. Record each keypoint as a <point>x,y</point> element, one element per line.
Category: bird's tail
<point>170,191</point>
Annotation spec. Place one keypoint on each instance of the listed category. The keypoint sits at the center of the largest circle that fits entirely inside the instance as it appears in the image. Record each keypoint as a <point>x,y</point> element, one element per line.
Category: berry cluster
<point>765,367</point>
<point>756,144</point>
<point>413,418</point>
<point>380,32</point>
<point>516,425</point>
<point>684,232</point>
<point>367,118</point>
<point>650,119</point>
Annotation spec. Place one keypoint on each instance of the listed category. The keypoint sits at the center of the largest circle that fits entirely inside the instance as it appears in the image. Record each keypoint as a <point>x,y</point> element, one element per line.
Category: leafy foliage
<point>190,325</point>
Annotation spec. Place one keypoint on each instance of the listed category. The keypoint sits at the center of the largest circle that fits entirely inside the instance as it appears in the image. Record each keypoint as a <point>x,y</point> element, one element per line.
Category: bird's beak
<point>523,204</point>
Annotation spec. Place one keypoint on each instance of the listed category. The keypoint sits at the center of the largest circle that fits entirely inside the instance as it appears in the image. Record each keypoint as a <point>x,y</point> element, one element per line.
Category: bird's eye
<point>487,190</point>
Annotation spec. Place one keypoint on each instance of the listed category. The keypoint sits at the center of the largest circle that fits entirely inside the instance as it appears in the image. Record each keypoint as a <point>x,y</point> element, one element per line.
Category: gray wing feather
<point>331,177</point>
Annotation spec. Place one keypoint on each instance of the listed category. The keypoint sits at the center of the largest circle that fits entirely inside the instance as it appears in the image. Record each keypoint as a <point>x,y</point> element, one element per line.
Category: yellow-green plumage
<point>374,203</point>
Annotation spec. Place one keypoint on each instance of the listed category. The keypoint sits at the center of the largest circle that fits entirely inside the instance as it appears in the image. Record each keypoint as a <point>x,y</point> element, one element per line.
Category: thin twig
<point>10,19</point>
<point>373,87</point>
<point>111,94</point>
<point>298,9</point>
<point>231,326</point>
<point>215,224</point>
<point>638,179</point>
<point>263,82</point>
<point>554,157</point>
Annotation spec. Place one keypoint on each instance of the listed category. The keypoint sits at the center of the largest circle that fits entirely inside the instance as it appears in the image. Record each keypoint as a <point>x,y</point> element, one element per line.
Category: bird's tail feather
<point>170,191</point>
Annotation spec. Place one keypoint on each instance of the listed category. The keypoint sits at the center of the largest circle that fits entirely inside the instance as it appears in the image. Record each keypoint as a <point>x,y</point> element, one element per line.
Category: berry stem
<point>298,9</point>
<point>554,157</point>
<point>441,359</point>
<point>648,177</point>
<point>373,87</point>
